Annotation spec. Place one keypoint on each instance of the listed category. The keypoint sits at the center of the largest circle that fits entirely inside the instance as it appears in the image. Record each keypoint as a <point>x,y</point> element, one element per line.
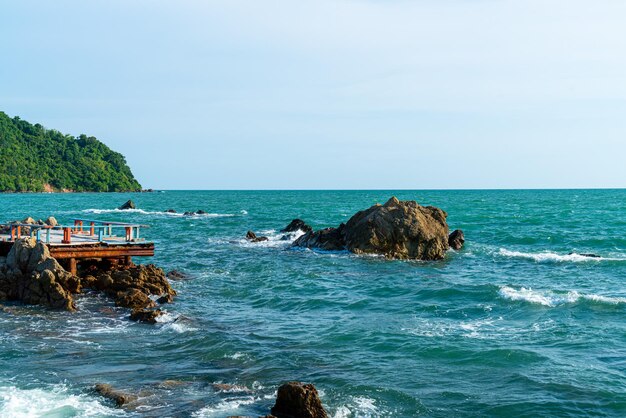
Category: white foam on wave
<point>359,406</point>
<point>274,239</point>
<point>174,323</point>
<point>548,256</point>
<point>228,406</point>
<point>157,213</point>
<point>440,327</point>
<point>551,299</point>
<point>56,401</point>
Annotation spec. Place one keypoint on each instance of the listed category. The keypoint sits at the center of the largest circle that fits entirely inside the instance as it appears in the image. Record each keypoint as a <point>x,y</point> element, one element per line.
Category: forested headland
<point>37,159</point>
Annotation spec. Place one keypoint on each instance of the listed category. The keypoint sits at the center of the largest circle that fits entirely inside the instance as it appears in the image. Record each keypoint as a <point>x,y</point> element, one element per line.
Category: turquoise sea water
<point>512,325</point>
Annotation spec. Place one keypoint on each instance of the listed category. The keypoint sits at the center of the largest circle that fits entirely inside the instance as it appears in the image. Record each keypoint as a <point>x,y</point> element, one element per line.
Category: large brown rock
<point>397,229</point>
<point>298,400</point>
<point>30,275</point>
<point>401,230</point>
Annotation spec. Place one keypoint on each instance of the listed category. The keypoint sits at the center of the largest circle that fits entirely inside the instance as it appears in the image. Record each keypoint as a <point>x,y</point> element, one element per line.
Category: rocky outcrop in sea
<point>397,230</point>
<point>29,274</point>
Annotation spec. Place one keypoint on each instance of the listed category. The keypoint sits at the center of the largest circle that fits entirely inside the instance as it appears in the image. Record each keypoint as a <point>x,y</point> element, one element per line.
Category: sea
<point>527,320</point>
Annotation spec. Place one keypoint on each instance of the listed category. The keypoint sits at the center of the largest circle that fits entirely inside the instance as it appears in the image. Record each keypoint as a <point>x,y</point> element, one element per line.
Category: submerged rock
<point>128,205</point>
<point>456,239</point>
<point>170,211</point>
<point>397,229</point>
<point>165,299</point>
<point>297,225</point>
<point>252,237</point>
<point>200,212</point>
<point>120,398</point>
<point>145,315</point>
<point>177,275</point>
<point>298,400</point>
<point>590,255</point>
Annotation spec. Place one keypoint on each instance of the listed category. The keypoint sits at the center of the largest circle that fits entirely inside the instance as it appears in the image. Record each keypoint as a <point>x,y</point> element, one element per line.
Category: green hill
<point>35,159</point>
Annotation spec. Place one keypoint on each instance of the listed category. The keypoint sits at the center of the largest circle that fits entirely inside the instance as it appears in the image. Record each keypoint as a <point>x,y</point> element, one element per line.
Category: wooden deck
<point>71,245</point>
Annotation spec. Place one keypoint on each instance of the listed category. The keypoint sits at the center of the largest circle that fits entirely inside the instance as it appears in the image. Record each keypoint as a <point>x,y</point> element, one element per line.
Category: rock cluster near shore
<point>397,230</point>
<point>31,275</point>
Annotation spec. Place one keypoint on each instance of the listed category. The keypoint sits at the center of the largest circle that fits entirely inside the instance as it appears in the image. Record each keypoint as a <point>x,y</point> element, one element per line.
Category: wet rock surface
<point>118,397</point>
<point>298,400</point>
<point>178,275</point>
<point>252,237</point>
<point>128,205</point>
<point>456,240</point>
<point>329,239</point>
<point>297,225</point>
<point>146,315</point>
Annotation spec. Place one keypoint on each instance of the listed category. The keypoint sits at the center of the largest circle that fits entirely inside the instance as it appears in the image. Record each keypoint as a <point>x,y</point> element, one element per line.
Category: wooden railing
<point>97,230</point>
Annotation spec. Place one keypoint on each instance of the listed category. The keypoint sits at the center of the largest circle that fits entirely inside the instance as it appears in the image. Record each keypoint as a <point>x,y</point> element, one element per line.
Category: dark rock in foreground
<point>456,239</point>
<point>107,391</point>
<point>128,205</point>
<point>297,225</point>
<point>298,400</point>
<point>397,229</point>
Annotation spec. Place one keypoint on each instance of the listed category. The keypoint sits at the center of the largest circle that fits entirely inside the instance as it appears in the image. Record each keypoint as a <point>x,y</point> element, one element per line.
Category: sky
<point>342,94</point>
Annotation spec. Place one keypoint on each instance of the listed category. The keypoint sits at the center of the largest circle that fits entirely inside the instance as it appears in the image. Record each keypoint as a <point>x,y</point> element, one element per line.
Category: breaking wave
<point>53,402</point>
<point>176,215</point>
<point>551,299</point>
<point>548,256</point>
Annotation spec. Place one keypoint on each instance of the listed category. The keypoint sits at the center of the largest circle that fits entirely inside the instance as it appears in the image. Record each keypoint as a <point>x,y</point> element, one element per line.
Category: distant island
<point>36,159</point>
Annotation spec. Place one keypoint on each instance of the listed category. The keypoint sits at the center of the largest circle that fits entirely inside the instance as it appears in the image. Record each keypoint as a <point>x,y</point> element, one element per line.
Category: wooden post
<point>19,232</point>
<point>67,235</point>
<point>129,233</point>
<point>128,260</point>
<point>73,266</point>
<point>92,229</point>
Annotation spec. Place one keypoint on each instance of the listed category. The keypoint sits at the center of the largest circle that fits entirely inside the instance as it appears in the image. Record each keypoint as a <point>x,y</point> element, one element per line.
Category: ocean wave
<point>551,299</point>
<point>359,406</point>
<point>548,256</point>
<point>54,401</point>
<point>174,323</point>
<point>158,213</point>
<point>228,406</point>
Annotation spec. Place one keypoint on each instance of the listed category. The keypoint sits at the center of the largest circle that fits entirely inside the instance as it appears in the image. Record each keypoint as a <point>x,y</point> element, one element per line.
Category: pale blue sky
<point>323,94</point>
